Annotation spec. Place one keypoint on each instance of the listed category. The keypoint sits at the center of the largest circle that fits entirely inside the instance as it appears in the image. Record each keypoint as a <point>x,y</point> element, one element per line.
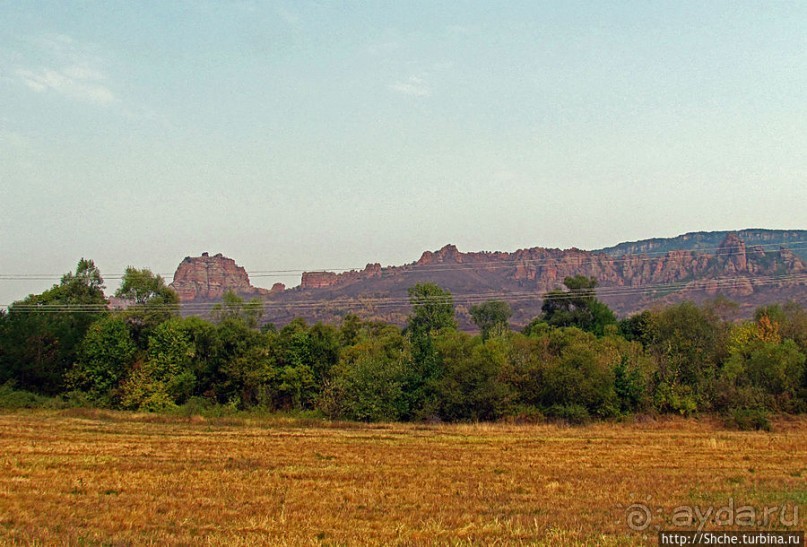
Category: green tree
<point>778,369</point>
<point>242,366</point>
<point>251,375</point>
<point>432,309</point>
<point>581,374</point>
<point>378,340</point>
<point>472,385</point>
<point>763,371</point>
<point>491,317</point>
<point>42,333</point>
<point>142,287</point>
<point>204,336</point>
<point>639,327</point>
<point>687,346</point>
<point>369,382</point>
<point>234,307</point>
<point>577,306</point>
<point>295,388</point>
<point>323,342</point>
<point>302,357</point>
<point>526,359</point>
<point>105,356</point>
<point>432,313</point>
<point>368,389</point>
<point>634,371</point>
<point>166,377</point>
<point>152,302</point>
<point>350,329</point>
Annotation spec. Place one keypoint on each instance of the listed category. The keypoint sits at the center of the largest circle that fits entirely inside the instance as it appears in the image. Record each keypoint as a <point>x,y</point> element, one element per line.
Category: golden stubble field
<point>95,477</point>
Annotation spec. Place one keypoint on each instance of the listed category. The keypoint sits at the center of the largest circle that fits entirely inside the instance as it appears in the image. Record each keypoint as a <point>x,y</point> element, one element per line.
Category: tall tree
<point>577,306</point>
<point>153,302</point>
<point>432,308</point>
<point>104,357</point>
<point>432,312</point>
<point>144,287</point>
<point>42,333</point>
<point>491,317</point>
<point>166,377</point>
<point>687,346</point>
<point>233,307</point>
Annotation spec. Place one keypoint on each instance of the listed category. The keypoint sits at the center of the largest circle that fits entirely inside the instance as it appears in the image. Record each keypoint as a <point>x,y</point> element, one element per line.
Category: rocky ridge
<point>752,275</point>
<point>543,269</point>
<point>708,241</point>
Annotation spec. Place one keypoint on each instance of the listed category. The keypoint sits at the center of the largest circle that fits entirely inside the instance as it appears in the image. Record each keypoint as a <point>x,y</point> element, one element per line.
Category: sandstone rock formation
<point>706,242</point>
<point>627,282</point>
<point>749,274</point>
<point>209,277</point>
<point>542,269</point>
<point>318,280</point>
<point>323,280</point>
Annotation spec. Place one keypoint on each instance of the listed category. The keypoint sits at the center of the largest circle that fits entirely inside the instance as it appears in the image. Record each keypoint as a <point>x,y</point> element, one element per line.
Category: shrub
<point>579,375</point>
<point>748,419</point>
<point>12,398</point>
<point>194,406</point>
<point>471,386</point>
<point>572,414</point>
<point>369,390</point>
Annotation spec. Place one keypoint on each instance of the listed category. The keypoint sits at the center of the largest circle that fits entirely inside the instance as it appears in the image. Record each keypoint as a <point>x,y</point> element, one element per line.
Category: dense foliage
<point>574,362</point>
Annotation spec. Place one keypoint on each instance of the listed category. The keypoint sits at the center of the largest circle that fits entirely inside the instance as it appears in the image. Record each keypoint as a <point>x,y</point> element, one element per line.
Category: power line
<point>583,257</point>
<point>579,259</point>
<point>461,298</point>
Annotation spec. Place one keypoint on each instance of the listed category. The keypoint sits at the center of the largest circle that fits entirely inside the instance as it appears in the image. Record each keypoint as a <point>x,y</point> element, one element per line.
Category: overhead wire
<point>607,292</point>
<point>581,259</point>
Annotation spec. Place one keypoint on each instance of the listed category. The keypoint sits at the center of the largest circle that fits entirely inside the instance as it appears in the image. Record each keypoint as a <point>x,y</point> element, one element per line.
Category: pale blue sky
<point>309,135</point>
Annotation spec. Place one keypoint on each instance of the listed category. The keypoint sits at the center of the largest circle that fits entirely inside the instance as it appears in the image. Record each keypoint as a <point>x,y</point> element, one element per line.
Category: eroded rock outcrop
<point>733,255</point>
<point>749,274</point>
<point>323,280</point>
<point>541,269</point>
<point>209,277</point>
<point>318,280</point>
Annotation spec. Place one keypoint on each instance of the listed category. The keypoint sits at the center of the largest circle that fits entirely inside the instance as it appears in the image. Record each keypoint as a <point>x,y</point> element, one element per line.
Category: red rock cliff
<point>324,280</point>
<point>209,277</point>
<point>542,269</point>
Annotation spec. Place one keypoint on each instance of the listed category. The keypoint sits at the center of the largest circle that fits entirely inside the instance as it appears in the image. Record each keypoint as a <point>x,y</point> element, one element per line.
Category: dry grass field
<point>95,477</point>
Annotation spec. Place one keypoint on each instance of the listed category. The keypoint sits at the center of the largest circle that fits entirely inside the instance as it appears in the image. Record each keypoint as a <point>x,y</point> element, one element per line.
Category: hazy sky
<point>307,135</point>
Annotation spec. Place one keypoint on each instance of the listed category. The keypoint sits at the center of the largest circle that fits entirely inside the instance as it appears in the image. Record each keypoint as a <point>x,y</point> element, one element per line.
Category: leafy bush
<point>572,414</point>
<point>675,398</point>
<point>12,398</point>
<point>579,375</point>
<point>104,357</point>
<point>194,406</point>
<point>471,386</point>
<point>369,390</point>
<point>748,419</point>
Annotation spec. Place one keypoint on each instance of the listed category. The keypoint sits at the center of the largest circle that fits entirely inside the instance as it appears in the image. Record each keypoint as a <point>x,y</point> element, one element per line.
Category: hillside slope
<point>796,240</point>
<point>751,275</point>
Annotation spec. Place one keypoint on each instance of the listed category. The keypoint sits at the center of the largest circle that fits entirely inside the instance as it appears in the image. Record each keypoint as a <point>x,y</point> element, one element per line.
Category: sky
<point>307,135</point>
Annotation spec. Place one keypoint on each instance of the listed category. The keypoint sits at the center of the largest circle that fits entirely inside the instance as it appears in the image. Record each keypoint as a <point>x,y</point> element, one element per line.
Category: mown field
<point>96,477</point>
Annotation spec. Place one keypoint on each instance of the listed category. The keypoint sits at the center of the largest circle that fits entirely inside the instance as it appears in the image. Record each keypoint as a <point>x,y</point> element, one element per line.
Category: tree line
<point>576,361</point>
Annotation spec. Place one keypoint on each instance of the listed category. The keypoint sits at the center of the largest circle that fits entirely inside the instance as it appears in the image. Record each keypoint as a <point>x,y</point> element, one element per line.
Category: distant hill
<point>632,277</point>
<point>795,240</point>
